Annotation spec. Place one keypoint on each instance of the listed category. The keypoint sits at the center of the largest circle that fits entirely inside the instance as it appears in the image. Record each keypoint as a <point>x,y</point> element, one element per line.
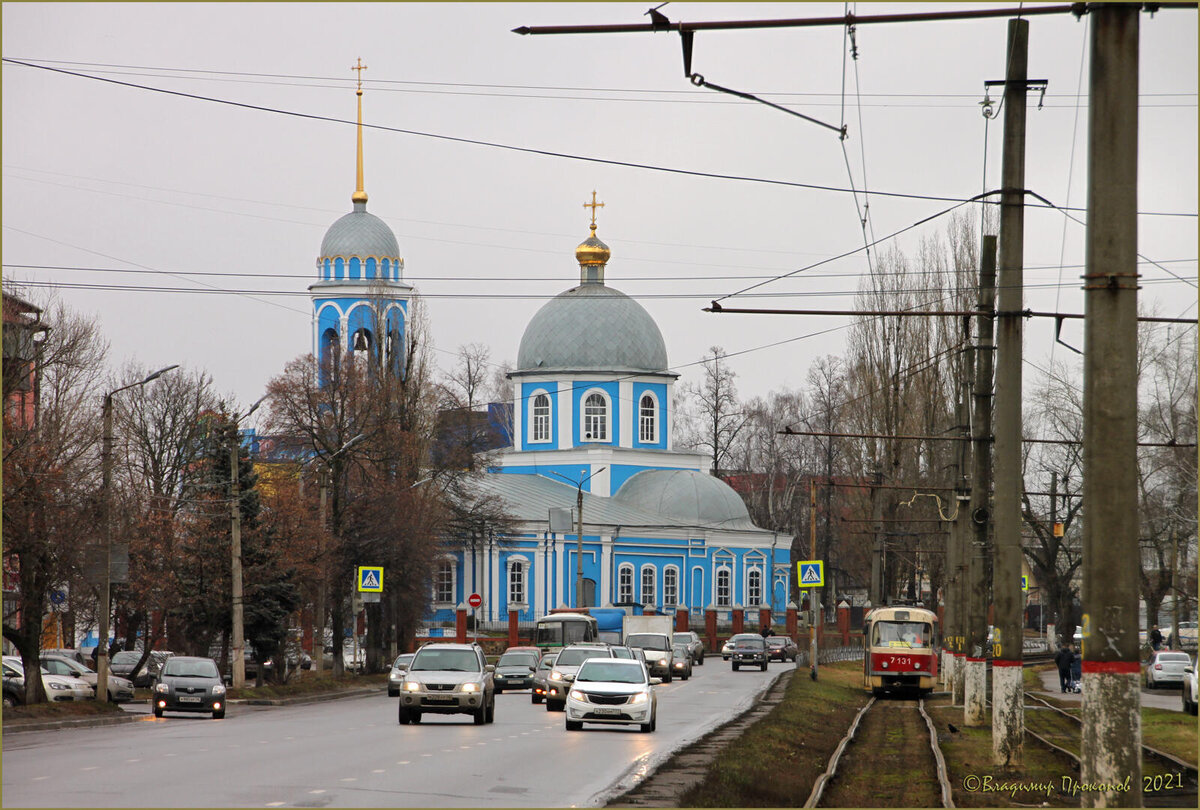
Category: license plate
<point>190,700</point>
<point>607,711</point>
<point>439,699</point>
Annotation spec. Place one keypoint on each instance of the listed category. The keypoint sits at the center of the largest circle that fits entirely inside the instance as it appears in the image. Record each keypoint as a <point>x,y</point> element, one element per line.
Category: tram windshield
<point>901,634</point>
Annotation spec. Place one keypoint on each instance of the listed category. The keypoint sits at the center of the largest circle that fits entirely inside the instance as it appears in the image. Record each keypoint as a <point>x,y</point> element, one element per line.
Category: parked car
<point>541,675</point>
<point>749,649</point>
<point>1184,637</point>
<point>75,655</point>
<point>1166,667</point>
<point>782,648</point>
<point>569,660</point>
<point>14,686</point>
<point>448,679</point>
<point>695,645</point>
<point>396,676</point>
<point>612,691</point>
<point>681,661</point>
<point>189,684</point>
<point>515,669</point>
<point>123,663</point>
<point>1189,688</point>
<point>120,690</point>
<point>58,687</point>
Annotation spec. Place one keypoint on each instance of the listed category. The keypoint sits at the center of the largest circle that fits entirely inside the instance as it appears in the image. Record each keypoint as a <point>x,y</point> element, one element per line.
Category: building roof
<point>687,495</point>
<point>530,497</point>
<point>592,327</point>
<point>359,234</point>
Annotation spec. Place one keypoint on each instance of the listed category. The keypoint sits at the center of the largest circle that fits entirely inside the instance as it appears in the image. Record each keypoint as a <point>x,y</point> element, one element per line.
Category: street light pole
<point>105,484</point>
<point>235,530</point>
<point>579,533</point>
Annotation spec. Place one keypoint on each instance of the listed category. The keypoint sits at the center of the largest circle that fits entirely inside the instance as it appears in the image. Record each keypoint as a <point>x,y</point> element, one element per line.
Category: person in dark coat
<point>765,630</point>
<point>1156,638</point>
<point>1063,660</point>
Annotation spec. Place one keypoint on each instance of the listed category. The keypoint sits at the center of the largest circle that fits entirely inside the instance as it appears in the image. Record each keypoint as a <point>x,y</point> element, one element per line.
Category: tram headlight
<point>884,664</point>
<point>916,665</point>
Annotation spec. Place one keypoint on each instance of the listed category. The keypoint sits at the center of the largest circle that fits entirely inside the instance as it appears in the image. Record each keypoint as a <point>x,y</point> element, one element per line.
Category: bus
<point>557,630</point>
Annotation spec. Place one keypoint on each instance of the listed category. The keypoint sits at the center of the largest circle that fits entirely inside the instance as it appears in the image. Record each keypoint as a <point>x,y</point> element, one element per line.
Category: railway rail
<point>875,764</point>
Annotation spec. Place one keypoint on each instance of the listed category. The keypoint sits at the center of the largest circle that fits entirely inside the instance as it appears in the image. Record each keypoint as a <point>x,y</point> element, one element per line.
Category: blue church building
<point>592,414</point>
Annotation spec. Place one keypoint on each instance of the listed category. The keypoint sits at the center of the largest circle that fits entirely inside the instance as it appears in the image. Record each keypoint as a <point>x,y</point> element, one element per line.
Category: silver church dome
<point>685,495</point>
<point>592,327</point>
<point>359,234</point>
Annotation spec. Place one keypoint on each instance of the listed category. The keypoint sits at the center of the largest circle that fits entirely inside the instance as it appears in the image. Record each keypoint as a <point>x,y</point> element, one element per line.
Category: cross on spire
<point>593,205</point>
<point>360,67</point>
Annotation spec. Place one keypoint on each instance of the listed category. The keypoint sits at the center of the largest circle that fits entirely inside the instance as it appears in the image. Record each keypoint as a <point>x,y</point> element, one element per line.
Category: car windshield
<point>518,659</point>
<point>776,642</point>
<point>574,656</point>
<point>547,661</point>
<point>682,638</point>
<point>647,641</point>
<point>445,661</point>
<point>750,643</point>
<point>403,660</point>
<point>621,652</point>
<point>680,650</point>
<point>127,658</point>
<point>613,671</point>
<point>190,669</point>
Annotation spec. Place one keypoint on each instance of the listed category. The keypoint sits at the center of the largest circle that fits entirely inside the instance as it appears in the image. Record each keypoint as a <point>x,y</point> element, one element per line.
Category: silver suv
<point>448,679</point>
<point>569,660</point>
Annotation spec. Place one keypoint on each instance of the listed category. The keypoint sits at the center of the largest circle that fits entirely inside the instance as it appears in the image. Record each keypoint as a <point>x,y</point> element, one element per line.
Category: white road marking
<point>40,778</point>
<point>404,762</point>
<point>316,791</point>
<point>90,768</point>
<point>426,755</point>
<point>275,804</point>
<point>133,760</point>
<point>378,770</point>
<point>349,779</point>
<point>460,748</point>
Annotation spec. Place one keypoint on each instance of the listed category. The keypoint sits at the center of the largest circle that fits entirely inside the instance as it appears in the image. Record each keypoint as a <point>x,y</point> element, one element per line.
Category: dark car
<point>14,687</point>
<point>187,684</point>
<point>515,669</point>
<point>540,676</point>
<point>695,645</point>
<point>748,649</point>
<point>782,648</point>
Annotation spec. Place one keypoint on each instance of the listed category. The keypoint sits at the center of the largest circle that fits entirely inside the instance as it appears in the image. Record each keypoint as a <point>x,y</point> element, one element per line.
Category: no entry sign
<point>474,600</point>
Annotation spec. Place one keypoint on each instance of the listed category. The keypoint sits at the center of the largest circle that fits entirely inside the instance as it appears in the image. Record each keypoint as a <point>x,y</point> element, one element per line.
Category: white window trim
<point>525,585</point>
<point>608,413</point>
<point>717,587</point>
<point>657,419</point>
<point>620,568</point>
<point>752,567</point>
<point>448,558</point>
<point>549,417</point>
<point>676,602</point>
<point>653,600</point>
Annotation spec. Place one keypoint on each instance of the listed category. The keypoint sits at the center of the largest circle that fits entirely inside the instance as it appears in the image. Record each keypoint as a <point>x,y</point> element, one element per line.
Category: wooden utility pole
<point>1008,705</point>
<point>1112,719</point>
<point>975,677</point>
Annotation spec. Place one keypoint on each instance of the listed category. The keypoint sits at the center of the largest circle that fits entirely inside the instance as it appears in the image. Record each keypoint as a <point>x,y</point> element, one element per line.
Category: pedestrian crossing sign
<point>812,573</point>
<point>1024,582</point>
<point>370,578</point>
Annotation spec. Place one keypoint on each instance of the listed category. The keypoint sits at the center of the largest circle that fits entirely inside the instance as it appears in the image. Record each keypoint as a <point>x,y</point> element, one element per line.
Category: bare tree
<point>719,417</point>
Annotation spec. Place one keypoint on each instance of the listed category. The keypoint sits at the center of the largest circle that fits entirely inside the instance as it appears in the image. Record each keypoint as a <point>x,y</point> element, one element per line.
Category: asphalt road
<point>1166,698</point>
<point>353,753</point>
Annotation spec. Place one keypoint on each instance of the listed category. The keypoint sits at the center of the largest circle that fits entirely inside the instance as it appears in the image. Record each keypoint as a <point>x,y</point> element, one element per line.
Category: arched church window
<point>516,583</point>
<point>595,418</point>
<point>647,419</point>
<point>541,419</point>
<point>443,582</point>
<point>670,585</point>
<point>648,580</point>
<point>724,597</point>
<point>754,587</point>
<point>625,584</point>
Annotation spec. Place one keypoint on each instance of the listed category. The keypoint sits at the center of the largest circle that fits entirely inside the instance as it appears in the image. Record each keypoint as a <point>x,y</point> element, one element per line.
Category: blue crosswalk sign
<point>370,578</point>
<point>812,573</point>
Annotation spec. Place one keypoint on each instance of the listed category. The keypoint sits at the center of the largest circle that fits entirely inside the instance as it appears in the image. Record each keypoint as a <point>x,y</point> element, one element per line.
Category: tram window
<point>901,634</point>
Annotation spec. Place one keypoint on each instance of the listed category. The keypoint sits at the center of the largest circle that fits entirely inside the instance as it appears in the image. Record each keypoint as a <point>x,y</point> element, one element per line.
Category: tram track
<point>876,764</point>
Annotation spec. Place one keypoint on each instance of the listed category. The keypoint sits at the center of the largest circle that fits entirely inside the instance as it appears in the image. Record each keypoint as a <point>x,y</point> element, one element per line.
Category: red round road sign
<point>474,600</point>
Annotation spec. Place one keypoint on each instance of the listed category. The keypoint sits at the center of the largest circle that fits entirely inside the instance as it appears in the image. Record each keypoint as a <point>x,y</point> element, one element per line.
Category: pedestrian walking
<point>1063,660</point>
<point>1156,638</point>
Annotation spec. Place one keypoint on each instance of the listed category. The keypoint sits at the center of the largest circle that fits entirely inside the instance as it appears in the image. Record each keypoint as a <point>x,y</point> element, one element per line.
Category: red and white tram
<point>901,647</point>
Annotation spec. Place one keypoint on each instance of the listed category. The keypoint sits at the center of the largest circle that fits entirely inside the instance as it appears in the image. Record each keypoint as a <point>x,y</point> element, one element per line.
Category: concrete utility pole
<point>961,532</point>
<point>1112,720</point>
<point>975,677</point>
<point>876,594</point>
<point>1008,703</point>
<point>579,532</point>
<point>815,621</point>
<point>235,533</point>
<point>105,488</point>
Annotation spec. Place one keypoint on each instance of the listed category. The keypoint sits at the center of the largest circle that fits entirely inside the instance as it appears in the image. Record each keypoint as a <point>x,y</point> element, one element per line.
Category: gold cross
<point>593,205</point>
<point>360,67</point>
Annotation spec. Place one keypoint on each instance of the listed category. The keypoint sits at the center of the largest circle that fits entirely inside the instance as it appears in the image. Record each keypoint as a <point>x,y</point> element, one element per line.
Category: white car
<point>58,687</point>
<point>1166,667</point>
<point>120,690</point>
<point>612,691</point>
<point>1189,688</point>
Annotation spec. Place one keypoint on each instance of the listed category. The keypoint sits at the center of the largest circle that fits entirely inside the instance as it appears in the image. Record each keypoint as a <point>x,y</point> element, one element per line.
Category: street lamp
<point>106,481</point>
<point>235,529</point>
<point>579,534</point>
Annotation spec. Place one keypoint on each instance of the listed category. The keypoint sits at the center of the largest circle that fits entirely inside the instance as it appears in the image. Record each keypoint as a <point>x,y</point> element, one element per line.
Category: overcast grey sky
<point>98,175</point>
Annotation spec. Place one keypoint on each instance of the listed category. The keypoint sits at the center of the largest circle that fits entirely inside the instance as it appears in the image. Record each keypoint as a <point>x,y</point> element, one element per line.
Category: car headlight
<point>556,675</point>
<point>577,695</point>
<point>470,687</point>
<point>161,688</point>
<point>412,686</point>
<point>640,697</point>
<point>662,662</point>
<point>59,686</point>
<point>218,689</point>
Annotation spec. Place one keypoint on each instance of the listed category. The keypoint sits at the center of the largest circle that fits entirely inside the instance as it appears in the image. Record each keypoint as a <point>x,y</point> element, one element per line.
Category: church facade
<point>592,418</point>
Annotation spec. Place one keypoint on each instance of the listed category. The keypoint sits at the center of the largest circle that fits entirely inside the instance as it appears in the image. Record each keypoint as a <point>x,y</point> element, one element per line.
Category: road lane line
<point>404,762</point>
<point>314,792</point>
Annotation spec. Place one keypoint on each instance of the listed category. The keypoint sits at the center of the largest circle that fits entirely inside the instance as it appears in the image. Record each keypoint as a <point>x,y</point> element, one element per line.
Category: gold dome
<point>592,251</point>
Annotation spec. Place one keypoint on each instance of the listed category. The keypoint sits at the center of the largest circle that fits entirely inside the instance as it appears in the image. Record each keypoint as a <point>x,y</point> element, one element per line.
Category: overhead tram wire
<point>508,147</point>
